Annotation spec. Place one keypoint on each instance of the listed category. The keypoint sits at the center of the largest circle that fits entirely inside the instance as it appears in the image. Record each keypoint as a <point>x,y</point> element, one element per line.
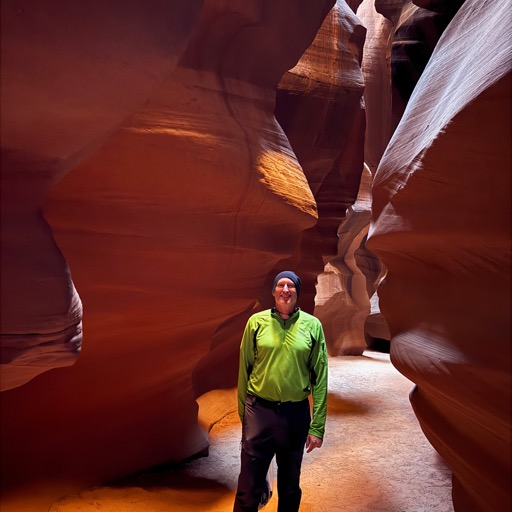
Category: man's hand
<point>313,442</point>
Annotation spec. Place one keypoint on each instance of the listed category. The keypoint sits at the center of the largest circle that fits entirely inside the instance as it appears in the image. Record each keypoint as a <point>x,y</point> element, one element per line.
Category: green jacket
<point>284,361</point>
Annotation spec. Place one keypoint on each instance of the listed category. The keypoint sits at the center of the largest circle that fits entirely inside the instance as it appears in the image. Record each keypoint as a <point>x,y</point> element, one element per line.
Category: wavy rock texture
<point>377,80</point>
<point>401,37</point>
<point>71,74</point>
<point>416,34</point>
<point>162,227</point>
<point>442,196</point>
<point>325,86</point>
<point>349,280</point>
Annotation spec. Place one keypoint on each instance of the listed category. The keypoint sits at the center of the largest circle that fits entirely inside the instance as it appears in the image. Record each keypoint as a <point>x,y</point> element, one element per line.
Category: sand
<point>375,458</point>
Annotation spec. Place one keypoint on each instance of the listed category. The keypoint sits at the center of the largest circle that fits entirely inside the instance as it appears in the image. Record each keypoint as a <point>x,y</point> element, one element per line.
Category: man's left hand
<point>313,442</point>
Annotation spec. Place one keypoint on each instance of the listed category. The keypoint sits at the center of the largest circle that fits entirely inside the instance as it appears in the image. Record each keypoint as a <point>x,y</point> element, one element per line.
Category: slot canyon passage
<point>375,457</point>
<point>161,162</point>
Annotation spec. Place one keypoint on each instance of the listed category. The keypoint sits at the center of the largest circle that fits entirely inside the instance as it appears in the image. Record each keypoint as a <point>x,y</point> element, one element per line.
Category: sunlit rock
<point>319,105</point>
<point>343,297</point>
<point>170,229</point>
<point>401,35</point>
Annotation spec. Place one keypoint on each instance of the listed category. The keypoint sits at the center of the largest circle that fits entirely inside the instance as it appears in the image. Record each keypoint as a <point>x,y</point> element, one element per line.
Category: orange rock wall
<point>441,224</point>
<point>71,74</point>
<point>319,105</point>
<point>191,166</point>
<point>171,229</point>
<point>399,39</point>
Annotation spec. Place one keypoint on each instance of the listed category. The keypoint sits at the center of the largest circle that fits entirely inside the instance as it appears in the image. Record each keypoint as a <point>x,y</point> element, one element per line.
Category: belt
<point>271,403</point>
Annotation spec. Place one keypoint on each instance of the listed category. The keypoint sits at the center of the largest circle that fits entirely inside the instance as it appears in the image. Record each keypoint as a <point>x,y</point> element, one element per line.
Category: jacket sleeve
<point>245,365</point>
<point>319,367</point>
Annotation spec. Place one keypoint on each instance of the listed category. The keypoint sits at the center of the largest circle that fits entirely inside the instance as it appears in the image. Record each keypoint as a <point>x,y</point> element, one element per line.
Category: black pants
<point>272,428</point>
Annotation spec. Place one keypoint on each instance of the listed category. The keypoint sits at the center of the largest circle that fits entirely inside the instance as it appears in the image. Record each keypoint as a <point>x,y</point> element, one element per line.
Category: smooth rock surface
<point>191,168</point>
<point>71,74</point>
<point>171,229</point>
<point>349,280</point>
<point>441,196</point>
<point>325,86</point>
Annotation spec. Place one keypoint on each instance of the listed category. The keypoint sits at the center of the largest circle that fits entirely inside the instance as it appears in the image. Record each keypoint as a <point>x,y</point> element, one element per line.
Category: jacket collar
<point>293,316</point>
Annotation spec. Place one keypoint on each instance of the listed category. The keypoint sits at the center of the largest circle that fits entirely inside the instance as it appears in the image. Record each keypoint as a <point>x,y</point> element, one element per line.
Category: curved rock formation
<point>319,105</point>
<point>441,225</point>
<point>349,280</point>
<point>377,80</point>
<point>401,37</point>
<point>170,229</point>
<point>71,74</point>
<point>175,226</point>
<point>417,32</point>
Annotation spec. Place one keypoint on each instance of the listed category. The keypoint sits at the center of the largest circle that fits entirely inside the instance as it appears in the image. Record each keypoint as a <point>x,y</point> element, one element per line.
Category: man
<point>283,359</point>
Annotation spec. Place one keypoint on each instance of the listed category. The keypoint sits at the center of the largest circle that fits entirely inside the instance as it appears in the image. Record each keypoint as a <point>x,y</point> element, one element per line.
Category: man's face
<point>285,293</point>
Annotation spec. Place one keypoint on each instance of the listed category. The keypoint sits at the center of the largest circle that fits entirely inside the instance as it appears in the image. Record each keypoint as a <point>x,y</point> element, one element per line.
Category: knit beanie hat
<point>290,275</point>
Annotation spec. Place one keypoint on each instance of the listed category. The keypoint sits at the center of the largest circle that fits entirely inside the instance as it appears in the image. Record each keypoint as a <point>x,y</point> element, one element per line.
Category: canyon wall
<point>349,280</point>
<point>160,166</point>
<point>400,36</point>
<point>441,224</point>
<point>319,105</point>
<point>71,74</point>
<point>170,227</point>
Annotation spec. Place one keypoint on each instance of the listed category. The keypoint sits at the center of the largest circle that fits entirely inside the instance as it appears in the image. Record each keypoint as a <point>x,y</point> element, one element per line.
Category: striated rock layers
<point>401,36</point>
<point>319,105</point>
<point>350,279</point>
<point>71,74</point>
<point>441,225</point>
<point>170,229</point>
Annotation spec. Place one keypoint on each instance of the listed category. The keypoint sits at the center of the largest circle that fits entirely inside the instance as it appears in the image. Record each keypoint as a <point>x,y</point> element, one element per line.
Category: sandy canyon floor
<point>375,458</point>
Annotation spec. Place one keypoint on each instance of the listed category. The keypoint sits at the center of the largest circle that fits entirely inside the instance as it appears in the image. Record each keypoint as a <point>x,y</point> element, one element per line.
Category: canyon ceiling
<point>159,165</point>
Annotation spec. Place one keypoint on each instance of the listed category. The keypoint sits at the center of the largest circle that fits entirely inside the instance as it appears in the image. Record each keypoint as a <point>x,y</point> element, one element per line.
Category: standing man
<point>283,359</point>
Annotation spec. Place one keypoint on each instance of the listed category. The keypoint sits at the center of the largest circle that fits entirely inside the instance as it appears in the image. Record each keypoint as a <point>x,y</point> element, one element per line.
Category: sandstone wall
<point>401,36</point>
<point>349,279</point>
<point>319,105</point>
<point>441,225</point>
<point>171,229</point>
<point>181,195</point>
<point>391,70</point>
<point>71,74</point>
